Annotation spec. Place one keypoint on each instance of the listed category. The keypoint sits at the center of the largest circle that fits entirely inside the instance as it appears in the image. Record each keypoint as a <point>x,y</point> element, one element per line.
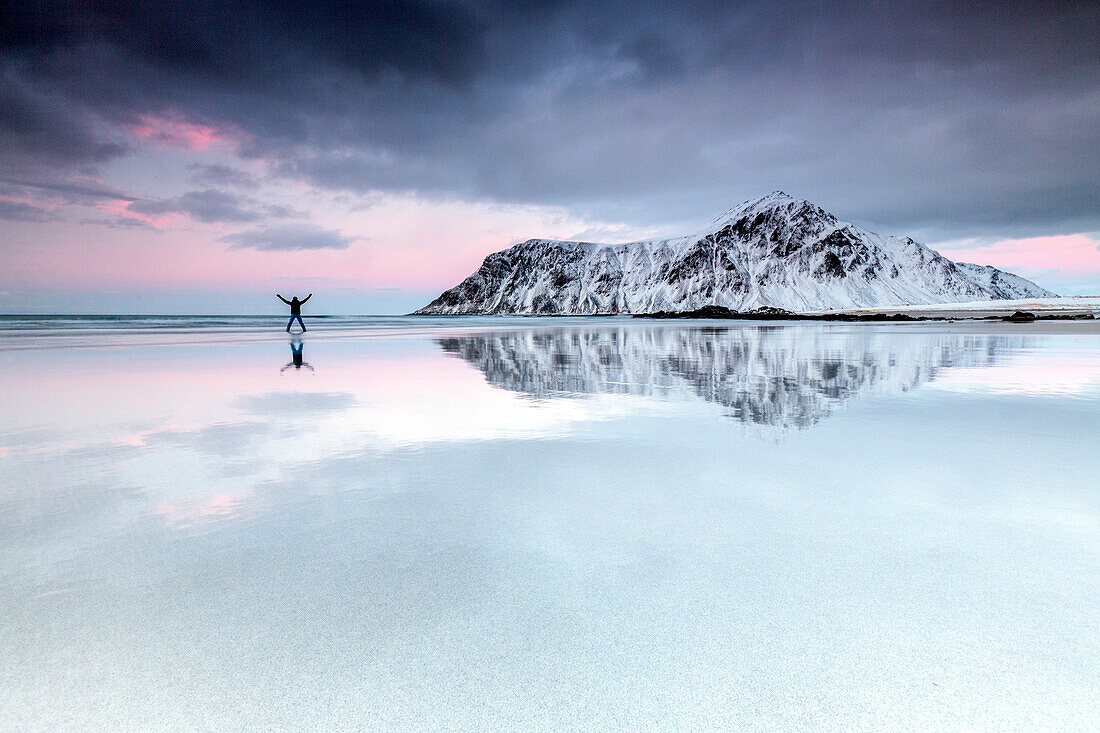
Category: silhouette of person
<point>296,349</point>
<point>295,310</point>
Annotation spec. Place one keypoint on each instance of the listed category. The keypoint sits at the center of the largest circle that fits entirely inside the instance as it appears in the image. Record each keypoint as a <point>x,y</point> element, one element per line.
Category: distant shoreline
<point>778,314</point>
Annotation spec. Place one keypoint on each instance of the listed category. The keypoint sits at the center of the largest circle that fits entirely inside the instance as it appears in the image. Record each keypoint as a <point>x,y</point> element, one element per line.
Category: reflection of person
<point>296,348</point>
<point>295,310</point>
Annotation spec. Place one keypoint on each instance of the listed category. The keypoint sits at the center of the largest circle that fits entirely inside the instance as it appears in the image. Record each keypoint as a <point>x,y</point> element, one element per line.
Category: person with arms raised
<point>295,310</point>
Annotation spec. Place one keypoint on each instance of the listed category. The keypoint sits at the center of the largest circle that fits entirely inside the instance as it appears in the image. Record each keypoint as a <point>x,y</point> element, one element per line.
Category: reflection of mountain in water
<point>781,376</point>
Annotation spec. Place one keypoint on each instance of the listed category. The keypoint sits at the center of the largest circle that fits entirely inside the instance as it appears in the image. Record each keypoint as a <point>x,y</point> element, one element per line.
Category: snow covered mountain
<point>775,251</point>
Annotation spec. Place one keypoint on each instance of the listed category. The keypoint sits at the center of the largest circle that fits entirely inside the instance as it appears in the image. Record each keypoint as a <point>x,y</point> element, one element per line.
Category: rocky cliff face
<point>775,251</point>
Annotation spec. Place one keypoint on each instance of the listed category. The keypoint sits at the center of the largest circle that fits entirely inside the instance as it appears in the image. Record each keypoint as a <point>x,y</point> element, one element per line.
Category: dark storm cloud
<point>41,128</point>
<point>211,206</point>
<point>955,117</point>
<point>288,238</point>
<point>120,222</point>
<point>19,211</point>
<point>71,192</point>
<point>221,175</point>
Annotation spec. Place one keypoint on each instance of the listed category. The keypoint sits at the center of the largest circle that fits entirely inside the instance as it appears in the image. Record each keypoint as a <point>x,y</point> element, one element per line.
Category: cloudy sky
<point>196,157</point>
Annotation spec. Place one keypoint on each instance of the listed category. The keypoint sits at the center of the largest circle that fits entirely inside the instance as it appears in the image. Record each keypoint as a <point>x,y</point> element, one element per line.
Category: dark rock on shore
<point>768,313</point>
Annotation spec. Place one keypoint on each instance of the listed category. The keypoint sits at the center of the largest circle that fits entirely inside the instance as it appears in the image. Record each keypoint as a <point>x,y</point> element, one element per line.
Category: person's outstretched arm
<point>307,298</point>
<point>282,298</point>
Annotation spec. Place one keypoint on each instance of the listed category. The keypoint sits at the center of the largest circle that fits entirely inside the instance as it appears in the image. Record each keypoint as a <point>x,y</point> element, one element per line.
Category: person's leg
<point>301,323</point>
<point>289,324</point>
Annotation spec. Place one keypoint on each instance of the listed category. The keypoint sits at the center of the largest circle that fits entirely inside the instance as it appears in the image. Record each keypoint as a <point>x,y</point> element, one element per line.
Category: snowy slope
<point>775,251</point>
<point>1004,285</point>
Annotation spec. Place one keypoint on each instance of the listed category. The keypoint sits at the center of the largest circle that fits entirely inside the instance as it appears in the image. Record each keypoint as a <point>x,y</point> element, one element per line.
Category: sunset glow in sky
<point>199,158</point>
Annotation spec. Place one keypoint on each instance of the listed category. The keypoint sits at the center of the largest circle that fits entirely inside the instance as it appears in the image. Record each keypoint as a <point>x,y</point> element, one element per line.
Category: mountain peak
<point>779,207</point>
<point>777,194</point>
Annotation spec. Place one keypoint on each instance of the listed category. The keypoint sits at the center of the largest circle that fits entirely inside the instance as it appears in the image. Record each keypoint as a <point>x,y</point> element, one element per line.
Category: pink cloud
<point>194,510</point>
<point>173,130</point>
<point>121,209</point>
<point>139,438</point>
<point>1068,253</point>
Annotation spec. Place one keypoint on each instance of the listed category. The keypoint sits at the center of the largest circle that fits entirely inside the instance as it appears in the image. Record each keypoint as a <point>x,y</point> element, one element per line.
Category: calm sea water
<point>419,524</point>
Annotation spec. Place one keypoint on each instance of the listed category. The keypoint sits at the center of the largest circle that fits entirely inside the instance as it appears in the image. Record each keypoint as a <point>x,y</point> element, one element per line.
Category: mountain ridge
<point>776,251</point>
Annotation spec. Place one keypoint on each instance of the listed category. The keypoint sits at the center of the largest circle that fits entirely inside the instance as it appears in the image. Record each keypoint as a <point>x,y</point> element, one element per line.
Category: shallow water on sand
<point>548,523</point>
